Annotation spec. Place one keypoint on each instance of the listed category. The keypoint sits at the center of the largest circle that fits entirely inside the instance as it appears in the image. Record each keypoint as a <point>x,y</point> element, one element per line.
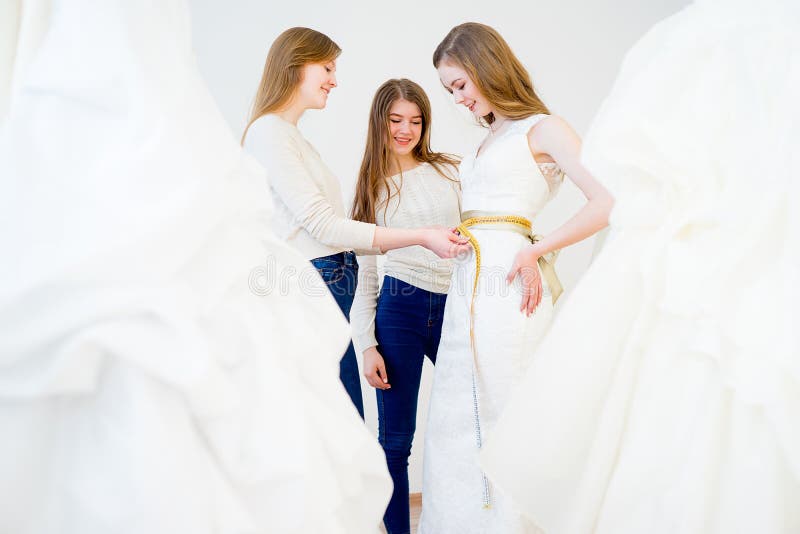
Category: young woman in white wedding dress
<point>491,328</point>
<point>666,397</point>
<point>155,376</point>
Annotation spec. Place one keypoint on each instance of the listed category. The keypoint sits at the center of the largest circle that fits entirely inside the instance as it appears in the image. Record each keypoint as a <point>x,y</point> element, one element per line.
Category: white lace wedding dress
<point>504,179</point>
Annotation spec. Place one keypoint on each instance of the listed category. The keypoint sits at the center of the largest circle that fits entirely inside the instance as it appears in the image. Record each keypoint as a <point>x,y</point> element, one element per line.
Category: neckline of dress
<point>480,152</point>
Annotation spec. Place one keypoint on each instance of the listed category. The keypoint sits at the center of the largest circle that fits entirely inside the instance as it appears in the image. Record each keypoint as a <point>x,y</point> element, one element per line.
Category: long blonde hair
<point>376,164</point>
<point>493,67</point>
<point>283,69</point>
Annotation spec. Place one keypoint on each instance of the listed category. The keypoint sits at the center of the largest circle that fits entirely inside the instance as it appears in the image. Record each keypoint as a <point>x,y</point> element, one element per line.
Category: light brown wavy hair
<point>372,177</point>
<point>283,69</point>
<point>493,67</point>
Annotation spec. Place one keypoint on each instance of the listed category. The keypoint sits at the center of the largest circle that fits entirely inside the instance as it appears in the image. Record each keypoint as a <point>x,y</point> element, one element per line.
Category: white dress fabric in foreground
<point>666,396</point>
<point>166,364</point>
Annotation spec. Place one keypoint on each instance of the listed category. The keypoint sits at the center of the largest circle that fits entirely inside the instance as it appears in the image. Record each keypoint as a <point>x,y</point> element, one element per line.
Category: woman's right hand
<point>375,369</point>
<point>445,242</point>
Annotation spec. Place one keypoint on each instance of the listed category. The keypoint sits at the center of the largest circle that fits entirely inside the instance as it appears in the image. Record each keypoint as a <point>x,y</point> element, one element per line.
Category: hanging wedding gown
<point>666,396</point>
<point>156,369</point>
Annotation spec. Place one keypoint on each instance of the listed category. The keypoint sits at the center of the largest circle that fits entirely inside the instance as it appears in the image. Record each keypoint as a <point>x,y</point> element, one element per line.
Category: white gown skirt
<point>156,369</point>
<point>505,339</point>
<point>666,397</point>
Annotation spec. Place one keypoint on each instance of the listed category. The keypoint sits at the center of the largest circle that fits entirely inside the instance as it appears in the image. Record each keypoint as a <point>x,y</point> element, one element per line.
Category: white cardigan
<point>309,211</point>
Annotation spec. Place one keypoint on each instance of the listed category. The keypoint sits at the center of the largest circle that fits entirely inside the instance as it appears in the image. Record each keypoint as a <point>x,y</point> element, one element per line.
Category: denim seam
<point>381,417</point>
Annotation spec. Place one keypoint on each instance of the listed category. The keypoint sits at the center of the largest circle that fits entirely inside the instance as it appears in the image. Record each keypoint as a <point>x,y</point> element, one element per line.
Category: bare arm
<point>442,241</point>
<point>554,139</point>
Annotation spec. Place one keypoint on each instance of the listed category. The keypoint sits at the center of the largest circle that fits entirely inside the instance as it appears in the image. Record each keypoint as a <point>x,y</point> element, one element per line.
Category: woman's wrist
<point>535,250</point>
<point>424,237</point>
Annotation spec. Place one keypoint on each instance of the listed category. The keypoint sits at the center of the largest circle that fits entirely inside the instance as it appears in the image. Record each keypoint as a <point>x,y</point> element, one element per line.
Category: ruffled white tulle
<point>667,394</point>
<point>166,364</point>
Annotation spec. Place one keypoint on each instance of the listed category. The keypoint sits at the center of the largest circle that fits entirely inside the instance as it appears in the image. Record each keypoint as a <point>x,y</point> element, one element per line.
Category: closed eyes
<point>460,87</point>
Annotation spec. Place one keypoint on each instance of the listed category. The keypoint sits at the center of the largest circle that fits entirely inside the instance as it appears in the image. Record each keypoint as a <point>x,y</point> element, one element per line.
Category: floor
<point>415,499</point>
<point>415,502</point>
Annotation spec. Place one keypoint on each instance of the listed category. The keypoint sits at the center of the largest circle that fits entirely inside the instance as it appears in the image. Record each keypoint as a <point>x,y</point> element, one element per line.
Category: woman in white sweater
<point>402,184</point>
<point>299,73</point>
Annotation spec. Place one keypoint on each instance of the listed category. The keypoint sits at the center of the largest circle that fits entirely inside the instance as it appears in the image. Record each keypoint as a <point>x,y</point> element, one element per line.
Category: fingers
<point>512,273</point>
<point>526,297</point>
<point>541,292</point>
<point>519,270</point>
<point>384,378</point>
<point>531,287</point>
<point>535,298</point>
<point>375,380</point>
<point>453,245</point>
<point>530,295</point>
<point>456,238</point>
<point>455,251</point>
<point>370,376</point>
<point>377,377</point>
<point>462,250</point>
<point>444,250</point>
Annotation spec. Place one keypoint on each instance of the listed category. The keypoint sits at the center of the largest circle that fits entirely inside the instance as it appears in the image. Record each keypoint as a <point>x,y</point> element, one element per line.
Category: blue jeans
<point>340,274</point>
<point>408,325</point>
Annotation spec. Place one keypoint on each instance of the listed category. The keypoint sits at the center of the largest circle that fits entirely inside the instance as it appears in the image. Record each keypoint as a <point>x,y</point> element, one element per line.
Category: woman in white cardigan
<point>299,73</point>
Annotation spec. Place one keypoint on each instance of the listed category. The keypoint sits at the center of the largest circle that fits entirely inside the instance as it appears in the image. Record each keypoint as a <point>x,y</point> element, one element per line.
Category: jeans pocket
<point>330,271</point>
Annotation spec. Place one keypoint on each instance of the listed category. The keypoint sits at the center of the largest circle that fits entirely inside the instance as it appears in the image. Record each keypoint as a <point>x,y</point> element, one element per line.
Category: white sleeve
<point>292,183</point>
<point>365,303</point>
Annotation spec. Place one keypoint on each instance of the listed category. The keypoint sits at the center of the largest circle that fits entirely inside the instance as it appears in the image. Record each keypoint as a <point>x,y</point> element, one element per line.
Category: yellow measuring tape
<point>515,223</point>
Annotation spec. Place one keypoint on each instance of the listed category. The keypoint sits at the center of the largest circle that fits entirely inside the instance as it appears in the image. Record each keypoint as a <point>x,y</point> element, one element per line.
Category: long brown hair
<point>493,67</point>
<point>375,166</point>
<point>283,69</point>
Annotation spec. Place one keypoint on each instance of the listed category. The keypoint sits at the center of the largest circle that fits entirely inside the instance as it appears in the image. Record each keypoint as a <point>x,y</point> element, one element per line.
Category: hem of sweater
<point>417,281</point>
<point>373,251</point>
<point>315,249</point>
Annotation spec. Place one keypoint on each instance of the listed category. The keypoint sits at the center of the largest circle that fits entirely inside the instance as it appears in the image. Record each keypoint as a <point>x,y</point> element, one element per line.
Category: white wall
<point>572,48</point>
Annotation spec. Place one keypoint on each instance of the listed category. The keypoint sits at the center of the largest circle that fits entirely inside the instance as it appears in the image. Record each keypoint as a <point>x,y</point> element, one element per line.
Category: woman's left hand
<point>526,265</point>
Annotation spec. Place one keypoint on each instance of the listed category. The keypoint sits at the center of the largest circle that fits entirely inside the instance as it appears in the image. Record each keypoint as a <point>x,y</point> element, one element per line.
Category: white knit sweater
<point>426,199</point>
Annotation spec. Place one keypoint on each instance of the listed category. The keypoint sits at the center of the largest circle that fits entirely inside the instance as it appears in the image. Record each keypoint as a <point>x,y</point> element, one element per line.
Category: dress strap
<point>523,126</point>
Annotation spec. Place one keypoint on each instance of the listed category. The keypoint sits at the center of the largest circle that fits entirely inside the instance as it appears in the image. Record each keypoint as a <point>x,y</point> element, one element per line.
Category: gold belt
<point>520,225</point>
<point>514,223</point>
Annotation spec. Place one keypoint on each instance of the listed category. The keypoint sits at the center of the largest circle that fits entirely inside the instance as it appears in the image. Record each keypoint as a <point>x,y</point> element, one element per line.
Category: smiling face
<point>318,81</point>
<point>405,126</point>
<point>456,80</point>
